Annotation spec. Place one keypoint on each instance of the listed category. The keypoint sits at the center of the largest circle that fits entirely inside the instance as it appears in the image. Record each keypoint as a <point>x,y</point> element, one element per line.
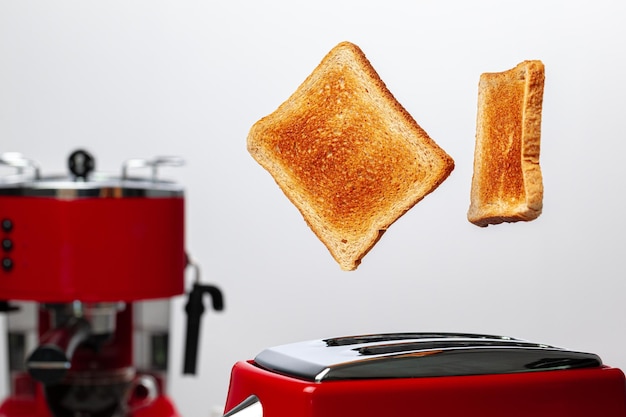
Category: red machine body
<point>296,380</point>
<point>92,249</point>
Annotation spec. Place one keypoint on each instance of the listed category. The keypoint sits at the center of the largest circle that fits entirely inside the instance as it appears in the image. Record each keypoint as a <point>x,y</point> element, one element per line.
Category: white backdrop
<point>141,78</point>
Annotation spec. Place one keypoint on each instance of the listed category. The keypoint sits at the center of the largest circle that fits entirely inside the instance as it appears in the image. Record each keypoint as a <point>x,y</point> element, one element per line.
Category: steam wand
<point>195,309</point>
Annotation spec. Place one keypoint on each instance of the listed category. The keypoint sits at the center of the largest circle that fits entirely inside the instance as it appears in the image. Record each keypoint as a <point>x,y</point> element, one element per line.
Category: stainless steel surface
<point>22,333</point>
<point>20,163</point>
<point>100,316</point>
<point>153,164</point>
<point>96,184</point>
<point>151,333</point>
<point>408,355</point>
<point>50,365</point>
<point>250,407</point>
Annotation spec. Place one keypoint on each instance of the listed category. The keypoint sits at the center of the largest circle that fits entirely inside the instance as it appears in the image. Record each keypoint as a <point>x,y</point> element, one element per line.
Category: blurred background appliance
<point>90,263</point>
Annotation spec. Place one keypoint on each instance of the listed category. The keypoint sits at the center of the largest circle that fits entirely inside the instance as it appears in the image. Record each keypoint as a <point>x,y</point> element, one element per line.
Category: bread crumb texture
<point>507,185</point>
<point>347,154</point>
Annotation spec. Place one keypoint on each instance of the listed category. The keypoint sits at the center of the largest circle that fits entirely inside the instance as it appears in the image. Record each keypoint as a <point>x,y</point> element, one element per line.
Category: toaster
<point>424,375</point>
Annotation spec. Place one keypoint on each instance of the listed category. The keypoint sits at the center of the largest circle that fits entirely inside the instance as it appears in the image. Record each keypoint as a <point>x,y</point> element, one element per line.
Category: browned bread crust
<point>507,184</point>
<point>347,154</point>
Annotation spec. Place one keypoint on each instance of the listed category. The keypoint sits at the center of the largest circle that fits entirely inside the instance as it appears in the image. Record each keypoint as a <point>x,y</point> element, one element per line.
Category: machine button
<point>7,264</point>
<point>7,225</point>
<point>7,245</point>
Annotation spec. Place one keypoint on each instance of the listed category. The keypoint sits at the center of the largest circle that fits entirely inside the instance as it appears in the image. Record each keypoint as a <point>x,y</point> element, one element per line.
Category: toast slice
<point>347,154</point>
<point>507,185</point>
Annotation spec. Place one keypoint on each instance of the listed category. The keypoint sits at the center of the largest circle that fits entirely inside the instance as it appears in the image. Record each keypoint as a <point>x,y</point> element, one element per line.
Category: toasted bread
<point>507,184</point>
<point>347,154</point>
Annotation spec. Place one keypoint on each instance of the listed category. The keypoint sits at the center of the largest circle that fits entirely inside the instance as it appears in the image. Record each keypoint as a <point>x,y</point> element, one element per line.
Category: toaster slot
<point>388,337</point>
<point>406,347</point>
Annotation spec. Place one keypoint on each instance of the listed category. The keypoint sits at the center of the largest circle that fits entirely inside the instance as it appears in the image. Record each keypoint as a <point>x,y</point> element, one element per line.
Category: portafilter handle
<point>51,360</point>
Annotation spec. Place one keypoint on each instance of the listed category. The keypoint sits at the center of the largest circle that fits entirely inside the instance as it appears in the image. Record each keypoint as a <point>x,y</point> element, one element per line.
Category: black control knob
<point>7,225</point>
<point>7,264</point>
<point>7,245</point>
<point>81,163</point>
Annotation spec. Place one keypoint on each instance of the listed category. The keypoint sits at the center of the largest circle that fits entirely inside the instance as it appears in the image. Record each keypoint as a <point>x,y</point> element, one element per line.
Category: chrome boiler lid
<point>83,181</point>
<point>410,355</point>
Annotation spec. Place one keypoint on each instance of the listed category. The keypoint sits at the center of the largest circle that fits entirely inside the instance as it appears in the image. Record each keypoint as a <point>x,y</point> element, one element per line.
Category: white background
<point>134,78</point>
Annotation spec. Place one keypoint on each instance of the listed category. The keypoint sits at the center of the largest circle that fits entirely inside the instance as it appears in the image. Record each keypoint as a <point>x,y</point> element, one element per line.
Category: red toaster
<point>424,375</point>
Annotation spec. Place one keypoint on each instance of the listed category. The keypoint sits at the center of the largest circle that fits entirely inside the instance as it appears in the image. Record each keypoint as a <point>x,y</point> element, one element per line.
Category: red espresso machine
<point>424,375</point>
<point>89,265</point>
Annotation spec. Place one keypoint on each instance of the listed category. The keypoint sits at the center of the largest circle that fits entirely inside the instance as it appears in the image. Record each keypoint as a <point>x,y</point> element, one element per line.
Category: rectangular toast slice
<point>507,184</point>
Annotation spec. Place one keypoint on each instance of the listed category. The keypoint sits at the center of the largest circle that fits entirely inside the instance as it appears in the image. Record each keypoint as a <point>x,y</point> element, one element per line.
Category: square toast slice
<point>347,154</point>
